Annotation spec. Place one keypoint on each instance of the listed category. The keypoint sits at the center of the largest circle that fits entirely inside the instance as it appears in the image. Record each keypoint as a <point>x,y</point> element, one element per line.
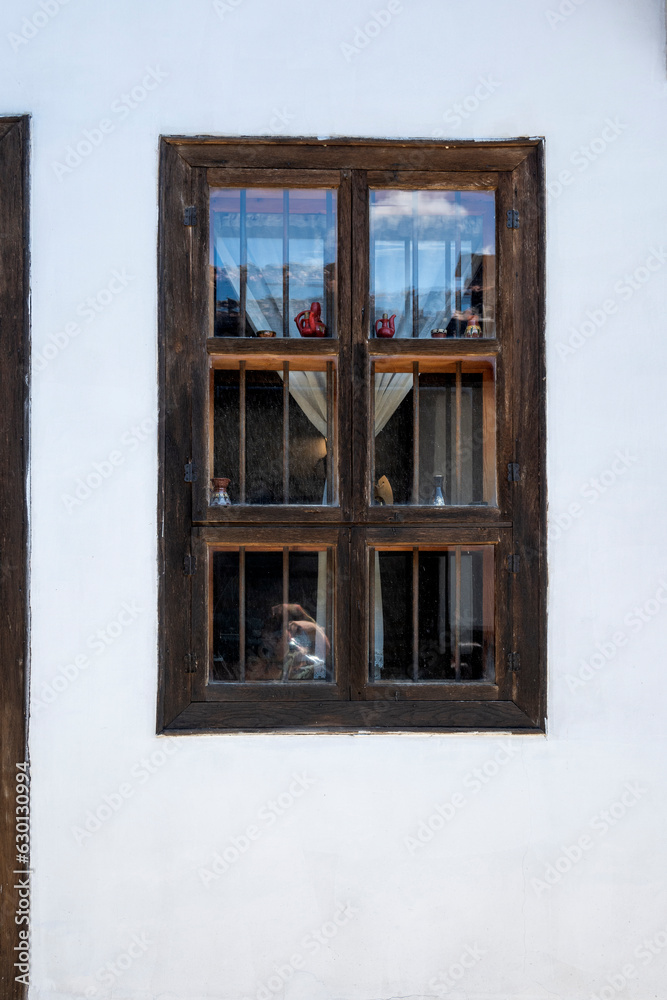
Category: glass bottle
<point>438,498</point>
<point>219,494</point>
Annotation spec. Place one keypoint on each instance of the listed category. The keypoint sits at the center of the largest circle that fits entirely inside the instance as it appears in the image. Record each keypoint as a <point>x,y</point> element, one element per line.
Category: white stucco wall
<point>480,886</point>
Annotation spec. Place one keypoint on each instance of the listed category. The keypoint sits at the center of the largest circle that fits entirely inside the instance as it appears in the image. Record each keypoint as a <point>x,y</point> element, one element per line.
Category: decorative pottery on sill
<point>219,494</point>
<point>309,322</point>
<point>473,328</point>
<point>385,327</point>
<point>384,495</point>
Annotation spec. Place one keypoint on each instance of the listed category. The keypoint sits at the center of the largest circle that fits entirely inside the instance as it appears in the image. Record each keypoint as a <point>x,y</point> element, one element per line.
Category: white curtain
<point>391,388</point>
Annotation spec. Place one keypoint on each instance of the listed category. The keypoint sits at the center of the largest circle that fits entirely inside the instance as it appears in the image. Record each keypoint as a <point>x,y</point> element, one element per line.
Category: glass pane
<point>272,616</point>
<point>449,636</point>
<point>432,263</point>
<point>435,433</point>
<point>273,262</point>
<point>273,436</point>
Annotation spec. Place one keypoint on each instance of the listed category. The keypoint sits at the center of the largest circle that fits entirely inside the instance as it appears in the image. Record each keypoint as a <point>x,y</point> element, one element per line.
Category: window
<point>352,412</point>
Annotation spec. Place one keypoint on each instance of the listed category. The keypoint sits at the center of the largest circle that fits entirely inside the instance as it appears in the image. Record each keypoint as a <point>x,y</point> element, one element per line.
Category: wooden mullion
<point>361,428</point>
<point>347,295</point>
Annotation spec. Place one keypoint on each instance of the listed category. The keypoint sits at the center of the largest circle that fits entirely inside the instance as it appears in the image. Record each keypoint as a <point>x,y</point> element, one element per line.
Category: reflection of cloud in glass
<point>445,209</point>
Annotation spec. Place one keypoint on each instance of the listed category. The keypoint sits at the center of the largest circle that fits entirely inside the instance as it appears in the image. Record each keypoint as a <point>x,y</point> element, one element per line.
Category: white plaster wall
<point>479,884</point>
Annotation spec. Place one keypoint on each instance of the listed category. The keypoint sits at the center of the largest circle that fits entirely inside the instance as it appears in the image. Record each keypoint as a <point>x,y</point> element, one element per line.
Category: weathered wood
<point>515,603</point>
<point>345,326</point>
<point>177,338</point>
<point>273,349</point>
<point>354,154</point>
<point>361,436</point>
<point>14,393</point>
<point>195,379</point>
<point>431,180</point>
<point>252,514</point>
<point>529,588</point>
<point>423,691</point>
<point>409,348</point>
<point>400,514</point>
<point>352,716</point>
<point>239,177</point>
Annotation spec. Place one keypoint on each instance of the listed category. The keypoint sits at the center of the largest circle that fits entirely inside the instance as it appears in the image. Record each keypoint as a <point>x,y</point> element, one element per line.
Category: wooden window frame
<point>515,526</point>
<point>14,425</point>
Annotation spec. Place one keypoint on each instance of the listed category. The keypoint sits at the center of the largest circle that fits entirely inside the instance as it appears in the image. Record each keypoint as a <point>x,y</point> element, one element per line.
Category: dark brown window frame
<point>14,399</point>
<point>516,526</point>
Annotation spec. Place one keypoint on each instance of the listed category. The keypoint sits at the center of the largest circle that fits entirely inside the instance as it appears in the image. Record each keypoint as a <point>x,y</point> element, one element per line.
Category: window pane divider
<point>415,614</point>
<point>458,268</point>
<point>458,434</point>
<point>286,432</point>
<point>330,487</point>
<point>243,267</point>
<point>415,432</point>
<point>372,588</point>
<point>242,431</point>
<point>242,614</point>
<point>457,614</point>
<point>329,248</point>
<point>415,267</point>
<point>286,317</point>
<point>285,611</point>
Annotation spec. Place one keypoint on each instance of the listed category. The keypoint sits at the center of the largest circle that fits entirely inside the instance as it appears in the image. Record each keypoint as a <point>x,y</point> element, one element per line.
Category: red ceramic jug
<point>385,327</point>
<point>309,323</point>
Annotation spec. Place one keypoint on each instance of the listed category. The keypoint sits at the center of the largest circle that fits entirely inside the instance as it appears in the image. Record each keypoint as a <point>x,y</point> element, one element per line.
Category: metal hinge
<point>512,218</point>
<point>190,215</point>
<point>513,472</point>
<point>190,472</point>
<point>190,663</point>
<point>513,662</point>
<point>189,565</point>
<point>513,563</point>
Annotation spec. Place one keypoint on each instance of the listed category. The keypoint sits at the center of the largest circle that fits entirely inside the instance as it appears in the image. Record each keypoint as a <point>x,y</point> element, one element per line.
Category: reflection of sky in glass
<point>274,241</point>
<point>432,256</point>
